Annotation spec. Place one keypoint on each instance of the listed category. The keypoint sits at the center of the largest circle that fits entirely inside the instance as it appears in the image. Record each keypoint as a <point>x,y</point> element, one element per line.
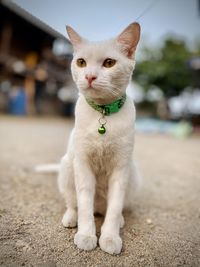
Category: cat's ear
<point>74,37</point>
<point>129,39</point>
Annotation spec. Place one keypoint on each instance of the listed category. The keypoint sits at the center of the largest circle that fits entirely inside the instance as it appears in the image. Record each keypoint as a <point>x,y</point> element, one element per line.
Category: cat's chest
<point>102,158</point>
<point>101,150</point>
<point>108,145</point>
<point>104,151</point>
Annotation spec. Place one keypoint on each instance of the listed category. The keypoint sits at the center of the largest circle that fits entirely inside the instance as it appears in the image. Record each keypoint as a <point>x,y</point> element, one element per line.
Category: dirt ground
<point>164,229</point>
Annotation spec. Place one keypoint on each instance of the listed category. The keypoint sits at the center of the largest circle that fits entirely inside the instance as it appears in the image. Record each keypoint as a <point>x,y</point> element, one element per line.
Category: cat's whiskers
<point>103,86</point>
<point>110,88</point>
<point>113,90</point>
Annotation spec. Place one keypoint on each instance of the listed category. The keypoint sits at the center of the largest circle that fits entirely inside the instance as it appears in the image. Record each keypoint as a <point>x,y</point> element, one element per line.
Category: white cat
<point>98,173</point>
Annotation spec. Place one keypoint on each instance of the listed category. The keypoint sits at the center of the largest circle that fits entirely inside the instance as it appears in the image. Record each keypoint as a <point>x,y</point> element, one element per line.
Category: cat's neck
<point>105,101</point>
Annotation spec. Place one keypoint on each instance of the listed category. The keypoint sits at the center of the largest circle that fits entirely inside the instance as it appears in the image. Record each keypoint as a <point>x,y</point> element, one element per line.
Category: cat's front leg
<point>85,238</point>
<point>110,240</point>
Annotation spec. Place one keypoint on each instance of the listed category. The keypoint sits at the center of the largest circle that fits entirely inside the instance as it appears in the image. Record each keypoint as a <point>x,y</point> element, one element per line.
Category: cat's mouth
<point>93,90</point>
<point>92,87</point>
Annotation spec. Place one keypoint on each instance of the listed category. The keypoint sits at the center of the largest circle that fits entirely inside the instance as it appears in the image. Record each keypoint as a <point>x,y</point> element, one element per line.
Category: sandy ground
<point>164,229</point>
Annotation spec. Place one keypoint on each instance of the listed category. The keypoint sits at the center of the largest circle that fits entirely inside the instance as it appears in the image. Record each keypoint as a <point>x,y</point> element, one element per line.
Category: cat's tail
<point>47,168</point>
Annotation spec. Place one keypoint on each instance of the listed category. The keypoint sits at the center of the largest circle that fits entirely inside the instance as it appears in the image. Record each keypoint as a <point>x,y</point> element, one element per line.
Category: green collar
<point>108,109</point>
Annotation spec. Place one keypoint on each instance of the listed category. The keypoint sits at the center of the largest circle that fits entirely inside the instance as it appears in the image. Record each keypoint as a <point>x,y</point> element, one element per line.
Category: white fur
<point>97,173</point>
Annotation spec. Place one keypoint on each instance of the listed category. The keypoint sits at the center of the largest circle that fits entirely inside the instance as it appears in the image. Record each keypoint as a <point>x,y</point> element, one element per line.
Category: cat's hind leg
<point>133,186</point>
<point>67,189</point>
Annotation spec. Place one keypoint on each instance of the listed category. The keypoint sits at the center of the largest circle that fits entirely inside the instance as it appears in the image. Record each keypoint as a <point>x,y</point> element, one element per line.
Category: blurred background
<point>35,56</point>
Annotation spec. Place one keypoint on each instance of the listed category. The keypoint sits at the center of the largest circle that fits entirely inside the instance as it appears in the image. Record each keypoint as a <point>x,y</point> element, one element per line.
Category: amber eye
<point>81,62</point>
<point>109,62</point>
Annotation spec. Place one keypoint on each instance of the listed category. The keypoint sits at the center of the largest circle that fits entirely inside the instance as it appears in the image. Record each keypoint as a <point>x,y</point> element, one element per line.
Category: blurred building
<point>33,57</point>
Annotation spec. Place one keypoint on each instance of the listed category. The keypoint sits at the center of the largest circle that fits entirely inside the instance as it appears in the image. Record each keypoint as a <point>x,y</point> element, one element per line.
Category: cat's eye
<point>109,62</point>
<point>81,62</point>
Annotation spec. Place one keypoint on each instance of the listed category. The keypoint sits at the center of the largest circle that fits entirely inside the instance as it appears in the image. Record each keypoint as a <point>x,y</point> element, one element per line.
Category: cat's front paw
<point>70,218</point>
<point>111,244</point>
<point>85,242</point>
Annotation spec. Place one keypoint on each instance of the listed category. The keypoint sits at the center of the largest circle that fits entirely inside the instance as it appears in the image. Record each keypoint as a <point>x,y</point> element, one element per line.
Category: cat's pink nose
<point>90,78</point>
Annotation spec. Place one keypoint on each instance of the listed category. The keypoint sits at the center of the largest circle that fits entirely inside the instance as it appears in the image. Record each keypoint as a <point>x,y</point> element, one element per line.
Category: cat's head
<point>102,70</point>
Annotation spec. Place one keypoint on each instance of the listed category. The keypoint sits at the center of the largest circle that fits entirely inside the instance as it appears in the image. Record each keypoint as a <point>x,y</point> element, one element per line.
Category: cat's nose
<point>90,78</point>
